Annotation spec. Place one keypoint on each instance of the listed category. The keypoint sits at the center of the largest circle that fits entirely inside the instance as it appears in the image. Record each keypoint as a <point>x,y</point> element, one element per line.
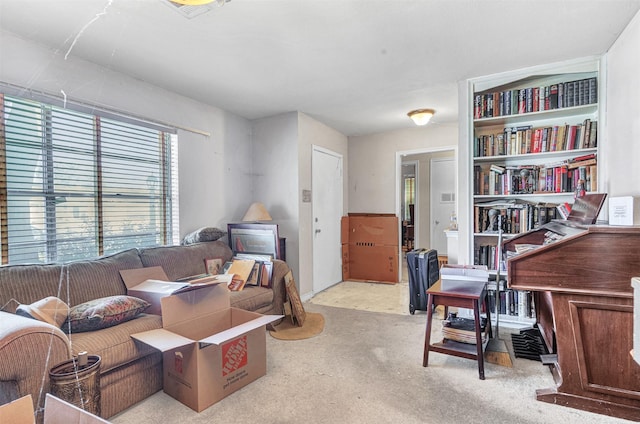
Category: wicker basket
<point>80,387</point>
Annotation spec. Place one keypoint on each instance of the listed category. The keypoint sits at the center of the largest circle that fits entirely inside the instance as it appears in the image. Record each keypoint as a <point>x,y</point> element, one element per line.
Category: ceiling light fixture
<point>421,116</point>
<point>200,2</point>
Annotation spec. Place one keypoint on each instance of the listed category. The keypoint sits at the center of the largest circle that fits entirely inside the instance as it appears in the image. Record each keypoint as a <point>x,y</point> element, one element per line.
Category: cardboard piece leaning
<point>210,349</point>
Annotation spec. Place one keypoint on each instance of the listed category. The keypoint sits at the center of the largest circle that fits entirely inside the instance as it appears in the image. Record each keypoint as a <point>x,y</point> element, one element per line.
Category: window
<point>75,185</point>
<point>409,198</point>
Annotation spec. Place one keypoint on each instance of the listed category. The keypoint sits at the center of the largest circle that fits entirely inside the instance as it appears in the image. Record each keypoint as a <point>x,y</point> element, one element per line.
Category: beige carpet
<point>366,367</point>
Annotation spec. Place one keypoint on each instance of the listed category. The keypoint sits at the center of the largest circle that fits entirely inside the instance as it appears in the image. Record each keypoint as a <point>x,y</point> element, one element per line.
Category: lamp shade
<point>257,212</point>
<point>421,116</point>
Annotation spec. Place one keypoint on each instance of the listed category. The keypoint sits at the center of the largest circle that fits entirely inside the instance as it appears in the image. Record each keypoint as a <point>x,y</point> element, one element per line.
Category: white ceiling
<point>357,65</point>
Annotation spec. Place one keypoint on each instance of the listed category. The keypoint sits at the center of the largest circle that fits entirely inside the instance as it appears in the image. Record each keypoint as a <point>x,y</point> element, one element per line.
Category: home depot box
<point>210,349</point>
<point>151,284</point>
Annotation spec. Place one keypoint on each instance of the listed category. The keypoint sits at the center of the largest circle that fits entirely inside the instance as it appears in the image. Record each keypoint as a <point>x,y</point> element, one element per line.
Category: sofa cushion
<point>104,312</point>
<point>252,298</point>
<point>114,344</point>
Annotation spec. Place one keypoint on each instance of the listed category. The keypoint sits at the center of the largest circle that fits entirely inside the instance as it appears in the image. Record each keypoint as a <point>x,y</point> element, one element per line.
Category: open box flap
<point>162,339</point>
<point>19,411</point>
<point>239,330</point>
<point>159,286</point>
<point>58,411</point>
<point>133,277</point>
<point>193,305</point>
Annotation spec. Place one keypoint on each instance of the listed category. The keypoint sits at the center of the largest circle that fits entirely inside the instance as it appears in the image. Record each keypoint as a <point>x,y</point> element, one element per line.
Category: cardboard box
<point>372,263</point>
<point>370,247</point>
<point>19,411</point>
<point>56,411</point>
<point>375,229</point>
<point>151,284</point>
<point>210,349</point>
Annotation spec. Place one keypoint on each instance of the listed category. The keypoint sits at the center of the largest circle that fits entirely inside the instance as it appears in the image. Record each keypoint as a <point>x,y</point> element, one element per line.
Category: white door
<point>443,200</point>
<point>327,210</point>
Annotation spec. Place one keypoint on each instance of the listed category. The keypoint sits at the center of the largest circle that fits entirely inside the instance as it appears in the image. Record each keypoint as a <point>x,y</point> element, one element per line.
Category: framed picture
<point>214,265</point>
<point>254,238</point>
<point>267,274</point>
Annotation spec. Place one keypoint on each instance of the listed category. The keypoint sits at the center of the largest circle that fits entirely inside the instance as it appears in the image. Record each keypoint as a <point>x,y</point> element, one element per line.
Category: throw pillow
<point>104,312</point>
<point>203,234</point>
<point>50,309</point>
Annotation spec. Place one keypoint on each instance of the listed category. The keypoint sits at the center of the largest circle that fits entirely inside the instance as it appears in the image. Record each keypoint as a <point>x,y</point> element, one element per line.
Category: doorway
<point>327,210</point>
<point>443,200</point>
<point>425,196</point>
<point>408,204</point>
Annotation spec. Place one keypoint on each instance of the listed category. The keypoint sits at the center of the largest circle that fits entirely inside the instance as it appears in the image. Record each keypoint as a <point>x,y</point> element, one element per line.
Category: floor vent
<point>529,344</point>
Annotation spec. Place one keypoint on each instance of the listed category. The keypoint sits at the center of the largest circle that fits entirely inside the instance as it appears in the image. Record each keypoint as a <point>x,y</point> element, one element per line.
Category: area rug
<point>286,330</point>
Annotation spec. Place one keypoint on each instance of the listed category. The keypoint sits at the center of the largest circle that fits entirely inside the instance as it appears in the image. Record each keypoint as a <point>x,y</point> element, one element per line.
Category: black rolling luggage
<point>424,271</point>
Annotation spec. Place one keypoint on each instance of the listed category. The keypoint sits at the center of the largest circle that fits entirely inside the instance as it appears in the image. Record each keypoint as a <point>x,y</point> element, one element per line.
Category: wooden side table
<point>461,294</point>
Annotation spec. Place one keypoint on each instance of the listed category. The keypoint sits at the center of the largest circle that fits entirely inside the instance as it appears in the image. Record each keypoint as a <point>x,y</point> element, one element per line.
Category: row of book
<point>487,255</point>
<point>526,139</point>
<point>560,177</point>
<point>256,270</point>
<point>515,218</point>
<point>514,303</point>
<point>534,99</point>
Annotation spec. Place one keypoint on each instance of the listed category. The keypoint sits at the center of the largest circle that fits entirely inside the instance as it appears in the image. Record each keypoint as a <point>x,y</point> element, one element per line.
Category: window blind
<point>76,185</point>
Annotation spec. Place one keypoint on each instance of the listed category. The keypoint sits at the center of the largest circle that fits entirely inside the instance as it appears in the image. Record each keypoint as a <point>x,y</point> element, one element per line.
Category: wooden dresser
<point>584,308</point>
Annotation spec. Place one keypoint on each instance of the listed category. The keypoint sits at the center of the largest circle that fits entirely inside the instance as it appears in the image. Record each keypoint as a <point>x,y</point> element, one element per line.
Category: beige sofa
<point>129,371</point>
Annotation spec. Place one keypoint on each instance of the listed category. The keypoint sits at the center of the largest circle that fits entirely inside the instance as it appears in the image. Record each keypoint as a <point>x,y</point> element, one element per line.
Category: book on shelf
<point>556,177</point>
<point>534,99</point>
<point>513,303</point>
<point>526,139</point>
<point>496,168</point>
<point>564,209</point>
<point>516,217</point>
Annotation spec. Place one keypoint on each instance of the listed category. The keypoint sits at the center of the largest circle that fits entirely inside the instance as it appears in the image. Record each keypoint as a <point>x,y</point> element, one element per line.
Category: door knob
<point>437,222</point>
<point>317,230</point>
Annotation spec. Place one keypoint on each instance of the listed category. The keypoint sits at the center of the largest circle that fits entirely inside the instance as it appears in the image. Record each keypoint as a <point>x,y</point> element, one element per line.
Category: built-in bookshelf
<point>534,141</point>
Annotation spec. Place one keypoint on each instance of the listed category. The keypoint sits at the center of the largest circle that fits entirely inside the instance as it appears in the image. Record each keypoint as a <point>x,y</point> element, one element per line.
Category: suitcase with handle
<point>423,270</point>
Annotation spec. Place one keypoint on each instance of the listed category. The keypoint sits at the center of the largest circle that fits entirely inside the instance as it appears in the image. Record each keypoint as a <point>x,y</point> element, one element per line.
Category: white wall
<point>282,169</point>
<point>213,169</point>
<point>623,116</point>
<point>275,164</point>
<point>372,163</point>
<point>314,133</point>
